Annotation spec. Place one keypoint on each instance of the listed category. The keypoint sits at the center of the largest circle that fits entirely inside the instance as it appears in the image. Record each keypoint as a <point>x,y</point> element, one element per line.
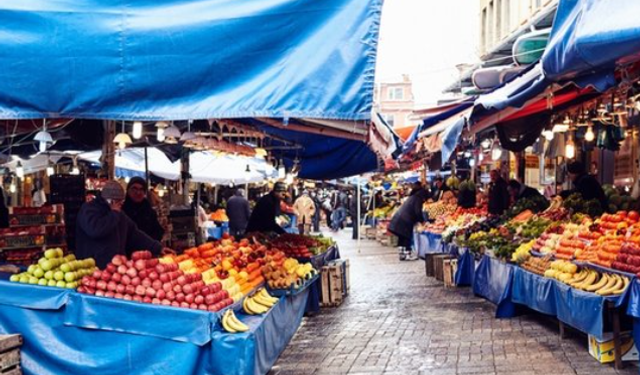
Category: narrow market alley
<point>398,321</point>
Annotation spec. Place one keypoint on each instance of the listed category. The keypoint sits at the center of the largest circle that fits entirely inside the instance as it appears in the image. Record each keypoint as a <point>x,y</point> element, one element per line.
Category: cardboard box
<point>602,350</point>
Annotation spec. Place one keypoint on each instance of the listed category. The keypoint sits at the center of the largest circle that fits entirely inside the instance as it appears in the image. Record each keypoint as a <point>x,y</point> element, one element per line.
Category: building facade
<point>501,18</point>
<point>394,101</point>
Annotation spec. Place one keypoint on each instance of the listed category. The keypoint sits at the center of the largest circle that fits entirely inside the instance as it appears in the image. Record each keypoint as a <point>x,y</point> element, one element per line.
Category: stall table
<point>492,281</point>
<point>427,243</point>
<point>71,333</point>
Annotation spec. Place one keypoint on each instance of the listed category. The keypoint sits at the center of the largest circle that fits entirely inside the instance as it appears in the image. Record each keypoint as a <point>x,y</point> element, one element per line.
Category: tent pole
<point>146,170</point>
<point>358,214</point>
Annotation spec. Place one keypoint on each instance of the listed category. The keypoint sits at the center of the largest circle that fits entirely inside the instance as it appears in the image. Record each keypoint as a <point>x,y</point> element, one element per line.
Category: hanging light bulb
<point>172,135</point>
<point>122,139</point>
<point>481,156</point>
<point>127,179</point>
<point>281,170</point>
<point>43,137</point>
<point>19,170</point>
<point>589,136</point>
<point>161,126</point>
<point>486,143</point>
<point>570,149</point>
<point>75,170</point>
<point>12,187</point>
<point>137,130</point>
<point>50,169</point>
<point>496,152</point>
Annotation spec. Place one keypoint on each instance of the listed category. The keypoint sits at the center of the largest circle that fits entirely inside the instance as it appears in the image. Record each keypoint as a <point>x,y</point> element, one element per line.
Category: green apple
<point>58,275</point>
<point>69,258</point>
<point>61,284</point>
<point>89,262</point>
<point>51,253</point>
<point>33,280</point>
<point>48,275</point>
<point>51,283</point>
<point>46,265</point>
<point>65,267</point>
<point>39,273</point>
<point>71,285</point>
<point>42,282</point>
<point>70,276</point>
<point>24,278</point>
<point>31,269</point>
<point>14,278</point>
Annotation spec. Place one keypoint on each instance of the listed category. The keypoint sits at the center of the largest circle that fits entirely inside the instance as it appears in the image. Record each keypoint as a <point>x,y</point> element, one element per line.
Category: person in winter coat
<point>585,184</point>
<point>305,209</point>
<point>498,194</point>
<point>239,212</point>
<point>4,211</point>
<point>439,187</point>
<point>139,209</point>
<point>402,223</point>
<point>316,215</point>
<point>521,191</point>
<point>339,214</point>
<point>103,230</point>
<point>263,217</point>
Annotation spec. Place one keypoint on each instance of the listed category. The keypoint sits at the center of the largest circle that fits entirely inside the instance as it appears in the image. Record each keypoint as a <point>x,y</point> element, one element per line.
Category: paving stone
<point>398,321</point>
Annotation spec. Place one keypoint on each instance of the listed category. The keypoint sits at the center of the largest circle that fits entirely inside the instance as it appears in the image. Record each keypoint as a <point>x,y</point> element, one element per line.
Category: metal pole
<point>146,170</point>
<point>246,190</point>
<point>358,213</point>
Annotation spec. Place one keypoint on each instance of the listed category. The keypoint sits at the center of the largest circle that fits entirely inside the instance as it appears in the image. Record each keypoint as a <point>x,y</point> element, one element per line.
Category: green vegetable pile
<point>575,204</point>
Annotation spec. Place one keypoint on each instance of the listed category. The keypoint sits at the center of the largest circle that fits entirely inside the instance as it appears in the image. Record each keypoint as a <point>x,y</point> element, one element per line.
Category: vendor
<point>139,209</point>
<point>402,223</point>
<point>519,191</point>
<point>439,187</point>
<point>263,217</point>
<point>498,194</point>
<point>585,184</point>
<point>103,230</point>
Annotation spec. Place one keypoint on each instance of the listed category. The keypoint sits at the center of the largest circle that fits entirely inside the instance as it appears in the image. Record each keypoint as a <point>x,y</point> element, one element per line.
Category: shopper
<point>38,196</point>
<point>376,202</point>
<point>585,184</point>
<point>402,223</point>
<point>4,211</point>
<point>519,191</point>
<point>103,230</point>
<point>239,212</point>
<point>498,194</point>
<point>263,217</point>
<point>339,214</point>
<point>139,209</point>
<point>316,215</point>
<point>305,210</point>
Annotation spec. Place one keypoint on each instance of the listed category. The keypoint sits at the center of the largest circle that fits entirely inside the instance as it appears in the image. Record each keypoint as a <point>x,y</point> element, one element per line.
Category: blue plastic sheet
<point>492,281</point>
<point>466,269</point>
<point>61,340</point>
<point>173,59</point>
<point>31,297</point>
<point>450,138</point>
<point>427,243</point>
<point>591,36</point>
<point>533,291</point>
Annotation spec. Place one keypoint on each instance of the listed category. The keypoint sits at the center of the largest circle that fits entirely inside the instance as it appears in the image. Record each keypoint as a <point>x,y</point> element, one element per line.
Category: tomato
<point>634,215</point>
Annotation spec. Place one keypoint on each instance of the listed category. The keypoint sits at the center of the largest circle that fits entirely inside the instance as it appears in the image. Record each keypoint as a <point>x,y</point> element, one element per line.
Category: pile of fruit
<point>523,252</point>
<point>56,270</point>
<point>219,215</point>
<point>617,201</point>
<point>561,270</point>
<point>602,284</point>
<point>628,258</point>
<point>299,246</point>
<point>282,273</point>
<point>259,303</point>
<point>437,209</point>
<point>537,265</point>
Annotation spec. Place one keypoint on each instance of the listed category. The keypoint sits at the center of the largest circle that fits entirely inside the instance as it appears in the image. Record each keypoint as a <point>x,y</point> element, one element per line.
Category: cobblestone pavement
<point>398,321</point>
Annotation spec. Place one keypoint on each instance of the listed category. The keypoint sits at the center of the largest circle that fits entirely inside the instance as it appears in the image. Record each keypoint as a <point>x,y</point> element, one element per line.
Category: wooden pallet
<point>335,283</point>
<point>10,354</point>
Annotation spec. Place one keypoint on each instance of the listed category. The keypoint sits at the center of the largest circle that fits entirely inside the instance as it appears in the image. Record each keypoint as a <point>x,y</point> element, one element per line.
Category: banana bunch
<point>232,324</point>
<point>259,303</point>
<point>555,204</point>
<point>606,284</point>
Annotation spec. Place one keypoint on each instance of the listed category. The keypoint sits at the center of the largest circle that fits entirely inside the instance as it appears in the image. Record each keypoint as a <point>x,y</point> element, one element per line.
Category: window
<point>498,24</point>
<point>483,37</point>
<point>490,27</point>
<point>395,93</point>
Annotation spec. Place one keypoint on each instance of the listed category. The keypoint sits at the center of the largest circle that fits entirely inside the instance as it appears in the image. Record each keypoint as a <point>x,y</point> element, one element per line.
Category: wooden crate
<point>439,261</point>
<point>430,267</point>
<point>10,354</point>
<point>335,283</point>
<point>450,267</point>
<point>369,232</point>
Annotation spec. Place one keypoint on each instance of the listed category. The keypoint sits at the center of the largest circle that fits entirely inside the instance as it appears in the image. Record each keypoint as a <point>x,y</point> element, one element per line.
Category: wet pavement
<point>398,321</point>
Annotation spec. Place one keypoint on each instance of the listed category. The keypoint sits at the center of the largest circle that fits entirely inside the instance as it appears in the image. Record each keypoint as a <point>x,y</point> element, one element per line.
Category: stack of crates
<point>10,354</point>
<point>335,283</point>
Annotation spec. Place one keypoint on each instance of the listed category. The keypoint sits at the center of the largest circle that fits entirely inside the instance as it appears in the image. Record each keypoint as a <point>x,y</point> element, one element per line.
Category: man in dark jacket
<point>239,212</point>
<point>498,194</point>
<point>521,191</point>
<point>402,223</point>
<point>263,217</point>
<point>140,211</point>
<point>439,187</point>
<point>103,230</point>
<point>4,211</point>
<point>585,184</point>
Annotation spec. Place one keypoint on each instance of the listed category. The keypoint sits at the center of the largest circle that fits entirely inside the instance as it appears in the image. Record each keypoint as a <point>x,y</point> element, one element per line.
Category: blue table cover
<point>427,243</point>
<point>68,333</point>
<point>466,268</point>
<point>492,281</point>
<point>536,292</point>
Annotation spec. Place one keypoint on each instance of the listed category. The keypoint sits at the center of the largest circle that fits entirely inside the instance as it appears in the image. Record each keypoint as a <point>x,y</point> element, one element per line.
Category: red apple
<point>101,285</point>
<point>140,264</point>
<point>155,301</point>
<point>182,280</point>
<point>146,282</point>
<point>205,291</point>
<point>228,302</point>
<point>225,294</point>
<point>140,290</point>
<point>109,294</point>
<point>129,264</point>
<point>137,298</point>
<point>97,274</point>
<point>143,274</point>
<point>180,297</point>
<point>111,268</point>
<point>193,306</point>
<point>99,293</point>
<point>189,298</point>
<point>146,299</point>
<point>212,309</point>
<point>121,288</point>
<point>82,289</point>
<point>112,286</point>
<point>117,260</point>
<point>122,269</point>
<point>161,294</point>
<point>150,292</point>
<point>151,263</point>
<point>167,287</point>
<point>184,305</point>
<point>119,295</point>
<point>187,288</point>
<point>135,281</point>
<point>166,302</point>
<point>116,277</point>
<point>132,272</point>
<point>156,284</point>
<point>175,304</point>
<point>164,278</point>
<point>106,276</point>
<point>127,297</point>
<point>199,284</point>
<point>202,307</point>
<point>210,299</point>
<point>177,288</point>
<point>160,268</point>
<point>126,280</point>
<point>198,299</point>
<point>153,275</point>
<point>130,289</point>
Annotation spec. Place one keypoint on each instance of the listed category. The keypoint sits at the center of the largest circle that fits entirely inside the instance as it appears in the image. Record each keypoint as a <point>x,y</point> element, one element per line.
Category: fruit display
<point>144,279</point>
<point>219,215</point>
<point>534,204</point>
<point>575,204</point>
<point>523,252</point>
<point>56,270</point>
<point>282,273</point>
<point>300,246</point>
<point>561,270</point>
<point>602,284</point>
<point>259,303</point>
<point>537,265</point>
<point>231,323</point>
<point>628,258</point>
<point>617,200</point>
<point>439,208</point>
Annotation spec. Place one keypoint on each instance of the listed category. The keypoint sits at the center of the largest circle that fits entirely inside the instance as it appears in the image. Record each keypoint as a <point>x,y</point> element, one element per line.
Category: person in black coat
<point>263,217</point>
<point>239,212</point>
<point>439,187</point>
<point>521,191</point>
<point>585,184</point>
<point>103,230</point>
<point>4,211</point>
<point>498,194</point>
<point>140,211</point>
<point>409,214</point>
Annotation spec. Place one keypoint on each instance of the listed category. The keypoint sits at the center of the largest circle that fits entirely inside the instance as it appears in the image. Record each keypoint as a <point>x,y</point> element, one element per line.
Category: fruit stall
<point>565,259</point>
<point>224,307</point>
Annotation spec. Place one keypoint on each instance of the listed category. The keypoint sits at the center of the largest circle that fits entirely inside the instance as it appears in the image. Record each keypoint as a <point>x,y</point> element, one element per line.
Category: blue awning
<point>590,37</point>
<point>176,59</point>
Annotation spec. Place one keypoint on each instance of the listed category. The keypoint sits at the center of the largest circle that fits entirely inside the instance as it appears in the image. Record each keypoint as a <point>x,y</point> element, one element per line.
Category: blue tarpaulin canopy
<point>196,59</point>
